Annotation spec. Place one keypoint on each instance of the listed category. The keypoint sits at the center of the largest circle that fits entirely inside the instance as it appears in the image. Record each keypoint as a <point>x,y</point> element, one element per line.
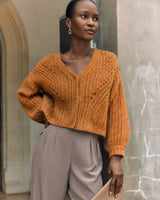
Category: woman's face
<point>85,20</point>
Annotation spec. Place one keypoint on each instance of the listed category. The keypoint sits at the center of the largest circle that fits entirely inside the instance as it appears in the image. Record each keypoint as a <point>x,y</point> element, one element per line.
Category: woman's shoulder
<point>49,57</point>
<point>46,62</point>
<point>107,54</point>
<point>109,59</point>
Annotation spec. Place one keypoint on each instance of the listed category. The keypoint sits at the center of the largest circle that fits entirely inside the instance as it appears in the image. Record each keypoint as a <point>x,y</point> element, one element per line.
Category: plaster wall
<point>138,52</point>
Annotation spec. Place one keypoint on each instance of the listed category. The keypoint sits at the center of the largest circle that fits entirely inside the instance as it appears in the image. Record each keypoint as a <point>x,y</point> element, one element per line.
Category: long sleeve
<point>29,94</point>
<point>118,129</point>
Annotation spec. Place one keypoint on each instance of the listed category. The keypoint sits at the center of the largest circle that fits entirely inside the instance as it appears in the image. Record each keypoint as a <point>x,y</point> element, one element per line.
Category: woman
<point>79,95</point>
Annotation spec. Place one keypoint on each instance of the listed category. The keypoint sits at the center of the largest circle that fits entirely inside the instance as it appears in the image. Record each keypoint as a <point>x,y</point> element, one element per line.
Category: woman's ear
<point>68,22</point>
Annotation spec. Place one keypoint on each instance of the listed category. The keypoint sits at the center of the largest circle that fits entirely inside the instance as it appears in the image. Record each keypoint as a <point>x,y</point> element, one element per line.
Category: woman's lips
<point>91,32</point>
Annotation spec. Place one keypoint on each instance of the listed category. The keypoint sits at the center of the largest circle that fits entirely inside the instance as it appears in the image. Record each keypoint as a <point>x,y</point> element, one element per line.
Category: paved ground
<point>14,197</point>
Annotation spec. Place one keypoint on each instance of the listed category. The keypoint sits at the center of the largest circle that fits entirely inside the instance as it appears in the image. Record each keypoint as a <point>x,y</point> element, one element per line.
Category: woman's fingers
<point>112,186</point>
<point>118,185</point>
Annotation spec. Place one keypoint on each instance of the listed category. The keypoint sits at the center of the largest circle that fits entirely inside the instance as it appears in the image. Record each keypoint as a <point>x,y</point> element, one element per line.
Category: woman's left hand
<point>116,172</point>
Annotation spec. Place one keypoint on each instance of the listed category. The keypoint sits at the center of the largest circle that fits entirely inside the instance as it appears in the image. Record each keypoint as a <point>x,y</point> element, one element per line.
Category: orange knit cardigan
<point>92,101</point>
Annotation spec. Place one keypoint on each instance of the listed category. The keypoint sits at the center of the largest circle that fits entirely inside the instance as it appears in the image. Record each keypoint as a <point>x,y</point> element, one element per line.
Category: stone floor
<point>14,197</point>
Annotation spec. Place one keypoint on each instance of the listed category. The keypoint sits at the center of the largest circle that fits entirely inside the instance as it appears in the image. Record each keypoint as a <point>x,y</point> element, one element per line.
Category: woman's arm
<point>30,94</point>
<point>118,132</point>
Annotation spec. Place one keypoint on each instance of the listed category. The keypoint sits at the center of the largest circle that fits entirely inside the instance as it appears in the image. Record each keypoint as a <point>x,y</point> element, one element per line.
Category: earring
<point>70,31</point>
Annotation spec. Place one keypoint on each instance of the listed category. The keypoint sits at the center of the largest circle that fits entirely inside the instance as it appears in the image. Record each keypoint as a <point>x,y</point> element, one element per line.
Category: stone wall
<point>138,52</point>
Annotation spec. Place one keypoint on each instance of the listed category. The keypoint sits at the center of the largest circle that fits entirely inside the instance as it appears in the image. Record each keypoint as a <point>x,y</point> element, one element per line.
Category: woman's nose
<point>90,22</point>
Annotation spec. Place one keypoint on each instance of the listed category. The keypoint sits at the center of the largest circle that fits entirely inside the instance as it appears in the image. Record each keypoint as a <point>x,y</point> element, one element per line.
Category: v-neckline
<point>68,71</point>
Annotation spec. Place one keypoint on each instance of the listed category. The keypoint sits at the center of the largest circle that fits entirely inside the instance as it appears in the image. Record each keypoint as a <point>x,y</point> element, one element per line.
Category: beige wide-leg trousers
<point>65,162</point>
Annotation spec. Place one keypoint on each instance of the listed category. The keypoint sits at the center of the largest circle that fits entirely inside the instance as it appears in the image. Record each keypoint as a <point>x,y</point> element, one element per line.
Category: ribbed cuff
<point>118,150</point>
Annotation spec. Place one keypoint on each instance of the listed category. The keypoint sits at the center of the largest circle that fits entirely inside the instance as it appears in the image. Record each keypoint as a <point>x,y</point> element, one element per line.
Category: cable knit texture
<point>92,101</point>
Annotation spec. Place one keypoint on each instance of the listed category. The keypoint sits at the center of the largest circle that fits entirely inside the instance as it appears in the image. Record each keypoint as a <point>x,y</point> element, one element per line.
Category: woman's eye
<point>95,18</point>
<point>83,16</point>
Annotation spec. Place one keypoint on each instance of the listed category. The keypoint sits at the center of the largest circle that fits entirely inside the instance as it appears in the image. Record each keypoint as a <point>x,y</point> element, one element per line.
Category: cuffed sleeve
<point>118,129</point>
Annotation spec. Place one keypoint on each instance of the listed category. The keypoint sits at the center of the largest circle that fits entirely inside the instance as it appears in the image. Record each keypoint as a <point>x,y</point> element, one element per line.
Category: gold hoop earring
<point>70,31</point>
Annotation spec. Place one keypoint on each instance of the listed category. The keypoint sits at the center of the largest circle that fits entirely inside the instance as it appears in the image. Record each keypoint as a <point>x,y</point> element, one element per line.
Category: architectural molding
<point>16,153</point>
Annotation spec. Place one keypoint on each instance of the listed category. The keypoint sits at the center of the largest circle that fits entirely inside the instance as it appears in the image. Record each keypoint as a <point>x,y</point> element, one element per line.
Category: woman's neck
<point>79,50</point>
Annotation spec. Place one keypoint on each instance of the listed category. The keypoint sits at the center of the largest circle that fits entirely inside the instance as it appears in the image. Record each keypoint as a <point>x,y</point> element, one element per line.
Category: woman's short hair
<point>70,7</point>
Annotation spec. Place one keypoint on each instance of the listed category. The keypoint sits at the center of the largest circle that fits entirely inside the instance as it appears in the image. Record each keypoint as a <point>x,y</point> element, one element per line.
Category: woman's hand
<point>116,172</point>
